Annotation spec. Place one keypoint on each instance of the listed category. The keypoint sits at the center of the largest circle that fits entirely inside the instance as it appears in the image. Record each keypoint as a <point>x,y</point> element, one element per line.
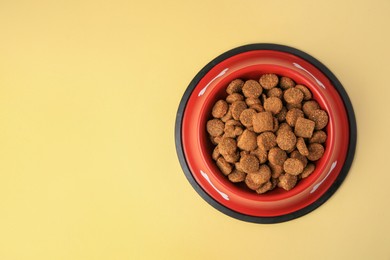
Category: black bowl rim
<point>351,146</point>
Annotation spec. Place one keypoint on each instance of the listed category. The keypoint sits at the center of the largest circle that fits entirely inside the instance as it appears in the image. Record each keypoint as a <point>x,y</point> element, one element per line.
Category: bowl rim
<point>338,87</point>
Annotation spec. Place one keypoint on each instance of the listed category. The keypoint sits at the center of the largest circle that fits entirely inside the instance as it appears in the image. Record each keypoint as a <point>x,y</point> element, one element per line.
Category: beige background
<point>88,98</point>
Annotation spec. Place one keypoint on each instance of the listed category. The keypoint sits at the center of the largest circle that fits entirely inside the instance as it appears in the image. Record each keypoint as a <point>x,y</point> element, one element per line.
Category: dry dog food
<point>267,133</point>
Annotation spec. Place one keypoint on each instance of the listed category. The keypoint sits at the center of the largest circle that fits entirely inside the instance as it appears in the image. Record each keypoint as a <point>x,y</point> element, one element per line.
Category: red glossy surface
<point>197,147</point>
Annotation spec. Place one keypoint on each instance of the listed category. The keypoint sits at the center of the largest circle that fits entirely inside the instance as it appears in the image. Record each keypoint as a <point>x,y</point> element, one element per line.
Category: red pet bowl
<point>194,148</point>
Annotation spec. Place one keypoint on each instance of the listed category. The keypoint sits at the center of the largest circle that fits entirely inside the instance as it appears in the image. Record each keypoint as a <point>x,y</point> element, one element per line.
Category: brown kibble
<point>275,92</point>
<point>290,106</point>
<point>235,86</point>
<point>286,140</point>
<point>273,105</point>
<point>233,122</point>
<point>220,109</point>
<point>263,122</point>
<point>293,96</point>
<point>297,155</point>
<point>309,169</point>
<point>234,97</point>
<point>262,155</point>
<point>231,157</point>
<point>227,145</point>
<point>268,81</point>
<point>232,131</point>
<point>301,146</point>
<point>277,156</point>
<point>255,179</point>
<point>276,170</point>
<point>266,140</point>
<point>318,137</point>
<point>316,151</point>
<point>215,140</point>
<point>320,117</point>
<point>306,92</point>
<point>304,127</point>
<point>286,83</point>
<point>257,107</point>
<point>246,116</point>
<point>238,166</point>
<point>249,163</point>
<point>224,166</point>
<point>283,127</point>
<point>252,101</point>
<point>293,166</point>
<point>227,116</point>
<point>293,115</point>
<point>264,188</point>
<point>216,153</point>
<point>252,89</point>
<point>287,181</point>
<point>215,127</point>
<point>237,107</point>
<point>309,106</point>
<point>281,116</point>
<point>237,176</point>
<point>247,141</point>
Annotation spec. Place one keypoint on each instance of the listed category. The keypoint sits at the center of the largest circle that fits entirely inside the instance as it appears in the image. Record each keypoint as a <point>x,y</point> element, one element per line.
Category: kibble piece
<point>309,169</point>
<point>252,89</point>
<point>293,166</point>
<point>237,165</point>
<point>237,107</point>
<point>231,157</point>
<point>276,125</point>
<point>293,96</point>
<point>318,137</point>
<point>316,151</point>
<point>264,187</point>
<point>227,116</point>
<point>249,163</point>
<point>276,170</point>
<point>281,116</point>
<point>297,155</point>
<point>287,181</point>
<point>301,146</point>
<point>224,166</point>
<point>232,131</point>
<point>286,83</point>
<point>263,122</point>
<point>266,140</point>
<point>262,155</point>
<point>309,106</point>
<point>227,145</point>
<point>215,140</point>
<point>215,127</point>
<point>304,127</point>
<point>283,127</point>
<point>275,92</point>
<point>286,140</point>
<point>268,81</point>
<point>255,179</point>
<point>277,156</point>
<point>233,122</point>
<point>220,109</point>
<point>235,86</point>
<point>234,97</point>
<point>320,117</point>
<point>257,107</point>
<point>237,176</point>
<point>252,101</point>
<point>290,106</point>
<point>246,116</point>
<point>216,153</point>
<point>273,105</point>
<point>247,141</point>
<point>306,92</point>
<point>293,115</point>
